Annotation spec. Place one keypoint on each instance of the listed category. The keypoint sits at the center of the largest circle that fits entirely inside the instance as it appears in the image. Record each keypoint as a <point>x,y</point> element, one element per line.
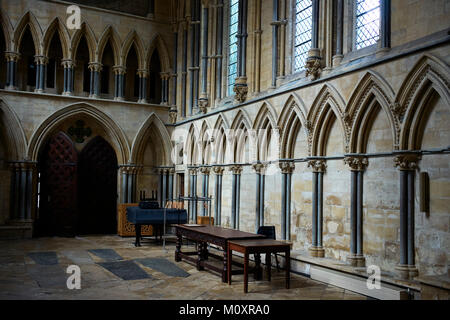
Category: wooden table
<point>258,246</point>
<point>203,235</point>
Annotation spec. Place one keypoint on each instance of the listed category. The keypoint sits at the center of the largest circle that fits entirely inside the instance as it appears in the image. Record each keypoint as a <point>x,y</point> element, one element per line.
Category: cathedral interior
<point>327,119</point>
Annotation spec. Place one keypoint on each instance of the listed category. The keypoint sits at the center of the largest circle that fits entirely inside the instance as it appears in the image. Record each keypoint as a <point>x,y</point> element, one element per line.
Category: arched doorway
<point>57,199</point>
<point>77,190</point>
<point>97,188</point>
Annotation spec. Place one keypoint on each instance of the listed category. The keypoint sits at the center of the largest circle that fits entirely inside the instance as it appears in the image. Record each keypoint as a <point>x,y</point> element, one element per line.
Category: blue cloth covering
<point>137,215</point>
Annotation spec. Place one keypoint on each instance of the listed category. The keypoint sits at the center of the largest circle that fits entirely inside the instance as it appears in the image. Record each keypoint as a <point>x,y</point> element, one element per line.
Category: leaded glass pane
<point>302,33</point>
<point>232,45</point>
<point>367,23</point>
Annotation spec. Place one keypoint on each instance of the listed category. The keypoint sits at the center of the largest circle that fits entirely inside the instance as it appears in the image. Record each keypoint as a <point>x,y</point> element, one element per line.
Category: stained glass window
<point>367,25</point>
<point>302,32</point>
<point>232,44</point>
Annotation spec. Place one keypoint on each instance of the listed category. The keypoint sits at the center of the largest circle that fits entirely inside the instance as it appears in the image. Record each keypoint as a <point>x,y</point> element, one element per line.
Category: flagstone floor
<point>112,268</point>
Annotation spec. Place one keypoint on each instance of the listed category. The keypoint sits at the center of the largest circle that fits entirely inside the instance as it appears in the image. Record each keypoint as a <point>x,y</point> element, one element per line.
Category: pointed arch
<point>7,30</point>
<point>266,111</point>
<point>291,121</point>
<point>56,26</point>
<point>239,138</point>
<point>428,76</point>
<point>372,91</point>
<point>320,119</point>
<point>86,31</point>
<point>16,141</point>
<point>191,147</point>
<point>266,129</point>
<point>220,139</point>
<point>153,122</point>
<point>133,39</point>
<point>205,144</point>
<point>109,34</point>
<point>28,20</point>
<point>158,43</point>
<point>115,134</point>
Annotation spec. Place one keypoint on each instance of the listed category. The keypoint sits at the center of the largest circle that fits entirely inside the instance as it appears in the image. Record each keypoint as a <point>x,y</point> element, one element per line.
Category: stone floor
<point>36,269</point>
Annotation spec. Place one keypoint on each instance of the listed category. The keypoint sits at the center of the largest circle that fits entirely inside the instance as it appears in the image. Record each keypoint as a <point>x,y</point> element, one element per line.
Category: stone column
<point>184,70</point>
<point>318,167</point>
<point>338,53</point>
<point>218,194</point>
<point>203,99</point>
<point>68,65</point>
<point>407,163</point>
<point>385,24</point>
<point>193,193</point>
<point>219,49</point>
<point>11,69</point>
<point>275,23</point>
<point>143,76</point>
<point>357,165</point>
<point>240,86</point>
<point>22,185</point>
<point>174,75</point>
<point>119,72</point>
<point>286,170</point>
<point>205,187</point>
<point>260,177</point>
<point>41,65</point>
<point>313,62</point>
<point>165,87</point>
<point>151,9</point>
<point>171,172</point>
<point>235,196</point>
<point>95,69</point>
<point>129,178</point>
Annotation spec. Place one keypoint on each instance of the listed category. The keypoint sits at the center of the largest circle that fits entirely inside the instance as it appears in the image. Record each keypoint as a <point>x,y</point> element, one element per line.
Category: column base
<point>356,260</point>
<point>10,88</point>
<point>406,272</point>
<point>67,93</point>
<point>337,59</point>
<point>142,101</point>
<point>93,96</point>
<point>119,99</point>
<point>38,91</point>
<point>318,252</point>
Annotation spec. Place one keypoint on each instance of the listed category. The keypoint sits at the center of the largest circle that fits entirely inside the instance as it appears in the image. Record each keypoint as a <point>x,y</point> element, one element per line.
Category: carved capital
<point>95,66</point>
<point>205,170</point>
<point>41,60</point>
<point>130,169</point>
<point>193,171</point>
<point>313,64</point>
<point>173,115</point>
<point>218,170</point>
<point>259,167</point>
<point>203,104</point>
<point>356,163</point>
<point>164,75</point>
<point>12,56</point>
<point>240,89</point>
<point>407,161</point>
<point>317,165</point>
<point>287,167</point>
<point>236,169</point>
<point>119,70</point>
<point>142,73</point>
<point>68,63</point>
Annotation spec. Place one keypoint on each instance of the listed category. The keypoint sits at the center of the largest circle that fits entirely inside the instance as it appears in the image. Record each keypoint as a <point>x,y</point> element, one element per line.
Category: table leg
<point>257,273</point>
<point>200,256</point>
<point>245,272</point>
<point>137,229</point>
<point>225,262</point>
<point>178,247</point>
<point>288,268</point>
<point>268,265</point>
<point>229,264</point>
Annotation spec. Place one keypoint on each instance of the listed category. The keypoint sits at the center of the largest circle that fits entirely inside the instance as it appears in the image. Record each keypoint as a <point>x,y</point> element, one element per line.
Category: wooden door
<point>97,188</point>
<point>58,187</point>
